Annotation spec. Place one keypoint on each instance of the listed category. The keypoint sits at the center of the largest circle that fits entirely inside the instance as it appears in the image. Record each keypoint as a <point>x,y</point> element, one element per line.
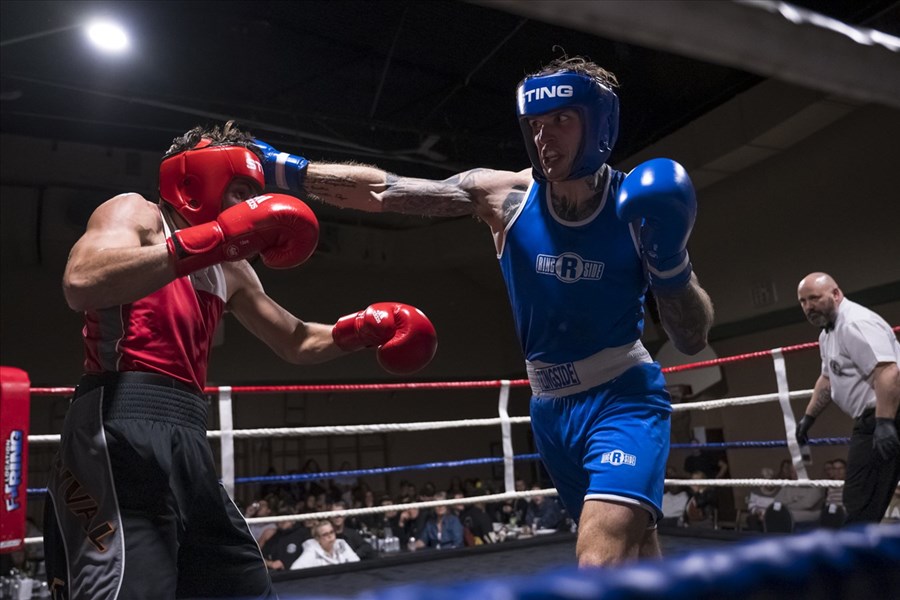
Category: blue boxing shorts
<point>609,443</point>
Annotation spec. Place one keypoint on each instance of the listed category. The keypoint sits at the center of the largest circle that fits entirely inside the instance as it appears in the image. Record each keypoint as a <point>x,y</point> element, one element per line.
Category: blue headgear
<point>597,104</point>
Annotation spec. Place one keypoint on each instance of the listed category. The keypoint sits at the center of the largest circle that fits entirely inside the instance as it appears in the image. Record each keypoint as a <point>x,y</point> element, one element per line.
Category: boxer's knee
<point>611,533</point>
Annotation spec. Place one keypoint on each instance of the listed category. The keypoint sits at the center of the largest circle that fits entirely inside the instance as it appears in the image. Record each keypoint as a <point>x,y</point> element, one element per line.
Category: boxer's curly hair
<point>578,64</point>
<point>229,135</point>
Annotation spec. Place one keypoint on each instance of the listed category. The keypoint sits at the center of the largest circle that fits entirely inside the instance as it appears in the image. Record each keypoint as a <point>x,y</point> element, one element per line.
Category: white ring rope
<point>819,483</point>
<point>433,425</point>
<point>369,510</point>
<point>737,401</point>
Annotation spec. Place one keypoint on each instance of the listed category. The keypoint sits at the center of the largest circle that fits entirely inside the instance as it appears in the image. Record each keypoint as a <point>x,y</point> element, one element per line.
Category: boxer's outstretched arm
<point>687,315</point>
<point>485,193</point>
<point>295,341</point>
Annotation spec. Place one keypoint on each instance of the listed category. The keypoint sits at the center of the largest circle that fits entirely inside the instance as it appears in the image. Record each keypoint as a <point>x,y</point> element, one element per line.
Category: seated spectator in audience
<point>892,514</point>
<point>456,487</point>
<point>700,510</point>
<point>261,531</point>
<point>759,499</point>
<point>475,521</point>
<point>520,505</point>
<point>786,470</point>
<point>834,496</point>
<point>407,490</point>
<point>372,521</point>
<point>411,522</point>
<point>543,512</point>
<point>387,519</point>
<point>427,493</point>
<point>286,543</point>
<point>675,499</point>
<point>443,529</point>
<point>361,547</point>
<point>345,484</point>
<point>711,463</point>
<point>310,487</point>
<point>324,549</point>
<point>805,503</point>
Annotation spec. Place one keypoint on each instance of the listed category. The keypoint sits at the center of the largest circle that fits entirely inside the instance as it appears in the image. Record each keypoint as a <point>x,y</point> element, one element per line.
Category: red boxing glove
<point>279,227</point>
<point>405,338</point>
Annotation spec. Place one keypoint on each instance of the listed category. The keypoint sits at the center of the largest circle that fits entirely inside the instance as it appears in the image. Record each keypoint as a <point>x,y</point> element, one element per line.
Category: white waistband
<point>565,379</point>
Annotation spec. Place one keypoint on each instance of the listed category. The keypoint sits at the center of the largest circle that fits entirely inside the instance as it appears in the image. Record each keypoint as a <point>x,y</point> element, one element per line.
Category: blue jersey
<point>575,287</point>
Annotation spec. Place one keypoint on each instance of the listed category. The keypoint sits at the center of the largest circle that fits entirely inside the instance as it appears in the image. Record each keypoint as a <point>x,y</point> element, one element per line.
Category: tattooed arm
<point>490,195</point>
<point>821,397</point>
<point>686,315</point>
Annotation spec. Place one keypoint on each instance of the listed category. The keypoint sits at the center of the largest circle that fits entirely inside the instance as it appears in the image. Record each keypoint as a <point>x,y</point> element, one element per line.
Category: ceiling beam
<point>772,39</point>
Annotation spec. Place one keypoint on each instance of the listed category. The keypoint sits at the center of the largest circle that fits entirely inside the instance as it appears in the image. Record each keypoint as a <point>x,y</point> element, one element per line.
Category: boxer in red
<point>135,508</point>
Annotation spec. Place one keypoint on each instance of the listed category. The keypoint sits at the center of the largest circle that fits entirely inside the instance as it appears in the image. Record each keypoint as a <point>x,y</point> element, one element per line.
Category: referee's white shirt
<point>859,341</point>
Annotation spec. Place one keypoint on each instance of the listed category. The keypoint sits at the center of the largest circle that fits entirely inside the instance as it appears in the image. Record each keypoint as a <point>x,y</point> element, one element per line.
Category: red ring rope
<point>493,383</point>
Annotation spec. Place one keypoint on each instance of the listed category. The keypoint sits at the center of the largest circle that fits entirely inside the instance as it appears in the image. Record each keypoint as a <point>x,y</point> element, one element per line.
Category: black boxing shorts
<point>135,508</point>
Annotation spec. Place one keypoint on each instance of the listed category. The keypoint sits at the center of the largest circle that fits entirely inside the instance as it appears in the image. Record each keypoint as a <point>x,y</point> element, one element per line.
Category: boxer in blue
<point>578,243</point>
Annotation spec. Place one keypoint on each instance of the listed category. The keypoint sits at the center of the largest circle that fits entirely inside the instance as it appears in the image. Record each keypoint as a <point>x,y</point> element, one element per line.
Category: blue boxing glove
<point>282,170</point>
<point>660,193</point>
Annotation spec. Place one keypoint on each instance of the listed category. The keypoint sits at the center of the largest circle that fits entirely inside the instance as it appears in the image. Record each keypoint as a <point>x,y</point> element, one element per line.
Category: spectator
<point>311,487</point>
<point>442,530</point>
<point>427,493</point>
<point>701,509</point>
<point>543,512</point>
<point>361,547</point>
<point>344,484</point>
<point>804,503</point>
<point>474,519</point>
<point>286,543</point>
<point>675,499</point>
<point>759,499</point>
<point>261,531</point>
<point>411,522</point>
<point>386,520</point>
<point>835,496</point>
<point>456,486</point>
<point>786,470</point>
<point>371,521</point>
<point>712,464</point>
<point>324,549</point>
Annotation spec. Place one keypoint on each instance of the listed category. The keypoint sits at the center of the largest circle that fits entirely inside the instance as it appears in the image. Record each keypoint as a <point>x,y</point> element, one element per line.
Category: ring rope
<point>737,401</point>
<point>433,425</point>
<point>381,470</point>
<point>504,385</point>
<point>830,441</point>
<point>494,383</point>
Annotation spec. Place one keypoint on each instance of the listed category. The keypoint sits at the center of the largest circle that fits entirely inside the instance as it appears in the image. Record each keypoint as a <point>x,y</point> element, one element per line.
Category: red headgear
<point>194,181</point>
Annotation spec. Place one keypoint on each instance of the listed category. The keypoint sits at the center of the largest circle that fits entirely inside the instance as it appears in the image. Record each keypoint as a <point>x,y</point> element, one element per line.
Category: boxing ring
<point>858,562</point>
<point>849,558</point>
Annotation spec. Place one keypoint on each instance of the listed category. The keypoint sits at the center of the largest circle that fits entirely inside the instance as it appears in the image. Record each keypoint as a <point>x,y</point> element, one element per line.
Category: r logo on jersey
<point>568,267</point>
<point>618,457</point>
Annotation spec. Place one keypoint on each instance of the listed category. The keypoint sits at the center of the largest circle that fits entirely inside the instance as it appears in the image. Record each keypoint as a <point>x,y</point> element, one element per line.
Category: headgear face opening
<point>194,181</point>
<point>597,104</point>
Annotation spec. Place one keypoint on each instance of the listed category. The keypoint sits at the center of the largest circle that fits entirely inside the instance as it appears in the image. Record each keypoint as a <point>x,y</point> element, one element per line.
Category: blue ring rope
<point>855,562</point>
<point>489,460</point>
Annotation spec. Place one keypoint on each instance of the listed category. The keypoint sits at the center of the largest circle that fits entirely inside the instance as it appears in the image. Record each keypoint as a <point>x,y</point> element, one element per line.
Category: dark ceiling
<point>424,88</point>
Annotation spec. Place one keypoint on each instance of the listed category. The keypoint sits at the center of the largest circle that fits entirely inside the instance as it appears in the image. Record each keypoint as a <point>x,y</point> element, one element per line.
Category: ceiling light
<point>107,36</point>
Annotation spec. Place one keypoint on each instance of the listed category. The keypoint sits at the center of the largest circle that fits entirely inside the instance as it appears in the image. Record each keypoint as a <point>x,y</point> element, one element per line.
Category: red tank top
<point>168,332</point>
